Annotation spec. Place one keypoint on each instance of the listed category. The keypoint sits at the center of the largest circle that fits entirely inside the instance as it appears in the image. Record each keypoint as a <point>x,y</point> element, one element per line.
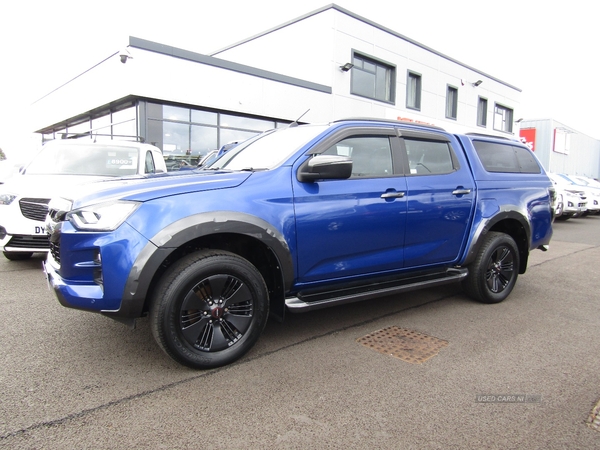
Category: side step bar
<point>303,304</point>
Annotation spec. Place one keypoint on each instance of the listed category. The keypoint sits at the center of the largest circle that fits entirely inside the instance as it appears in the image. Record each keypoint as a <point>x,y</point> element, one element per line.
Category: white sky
<point>547,48</point>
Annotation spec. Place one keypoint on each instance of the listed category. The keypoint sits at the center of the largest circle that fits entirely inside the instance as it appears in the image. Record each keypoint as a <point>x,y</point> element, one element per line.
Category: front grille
<point>55,250</point>
<point>34,208</point>
<point>39,242</point>
<point>55,240</point>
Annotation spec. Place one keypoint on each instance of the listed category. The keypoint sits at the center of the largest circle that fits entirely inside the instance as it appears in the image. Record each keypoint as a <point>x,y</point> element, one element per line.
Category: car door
<point>354,226</point>
<point>440,199</point>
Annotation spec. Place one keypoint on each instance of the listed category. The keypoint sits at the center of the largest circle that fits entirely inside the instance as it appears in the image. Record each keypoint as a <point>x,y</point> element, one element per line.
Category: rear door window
<point>428,157</point>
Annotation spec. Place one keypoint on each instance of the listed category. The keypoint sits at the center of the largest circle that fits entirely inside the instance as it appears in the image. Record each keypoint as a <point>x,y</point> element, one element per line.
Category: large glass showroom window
<point>120,124</point>
<point>185,135</point>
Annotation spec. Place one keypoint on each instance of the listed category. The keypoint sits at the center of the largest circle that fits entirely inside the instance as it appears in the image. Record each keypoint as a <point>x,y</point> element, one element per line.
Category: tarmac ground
<point>522,374</point>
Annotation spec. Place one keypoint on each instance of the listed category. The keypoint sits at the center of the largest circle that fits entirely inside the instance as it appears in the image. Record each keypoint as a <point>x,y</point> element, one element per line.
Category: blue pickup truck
<point>296,219</point>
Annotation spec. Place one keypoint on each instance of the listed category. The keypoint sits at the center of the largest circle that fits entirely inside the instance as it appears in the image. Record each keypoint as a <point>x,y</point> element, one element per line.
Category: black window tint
<point>527,161</point>
<point>371,155</point>
<point>429,157</point>
<point>505,158</point>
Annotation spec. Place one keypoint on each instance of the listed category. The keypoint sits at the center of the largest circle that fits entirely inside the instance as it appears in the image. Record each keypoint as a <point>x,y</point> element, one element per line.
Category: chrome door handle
<point>393,195</point>
<point>461,191</point>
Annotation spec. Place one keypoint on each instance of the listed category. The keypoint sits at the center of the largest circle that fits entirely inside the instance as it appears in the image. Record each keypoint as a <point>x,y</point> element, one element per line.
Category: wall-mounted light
<point>346,67</point>
<point>477,83</point>
<point>124,55</point>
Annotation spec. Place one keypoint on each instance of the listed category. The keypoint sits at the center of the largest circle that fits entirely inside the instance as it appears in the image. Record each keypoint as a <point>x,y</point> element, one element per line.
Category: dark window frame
<point>506,124</point>
<point>482,106</point>
<point>390,78</point>
<point>451,102</point>
<point>413,79</point>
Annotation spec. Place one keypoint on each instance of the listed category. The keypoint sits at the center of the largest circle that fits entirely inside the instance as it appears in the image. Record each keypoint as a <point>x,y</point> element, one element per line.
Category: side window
<point>506,158</point>
<point>526,160</point>
<point>149,163</point>
<point>371,155</point>
<point>429,157</point>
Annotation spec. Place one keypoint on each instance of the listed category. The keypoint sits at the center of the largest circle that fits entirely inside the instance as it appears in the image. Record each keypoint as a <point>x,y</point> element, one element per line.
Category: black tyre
<point>17,256</point>
<point>494,272</point>
<point>209,309</point>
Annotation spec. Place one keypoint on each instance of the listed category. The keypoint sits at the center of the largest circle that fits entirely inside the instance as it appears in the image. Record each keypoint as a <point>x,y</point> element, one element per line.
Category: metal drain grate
<point>407,345</point>
<point>593,420</point>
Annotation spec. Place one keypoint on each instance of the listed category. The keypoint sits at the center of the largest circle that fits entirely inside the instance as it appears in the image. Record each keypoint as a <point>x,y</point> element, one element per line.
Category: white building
<point>562,149</point>
<point>330,62</point>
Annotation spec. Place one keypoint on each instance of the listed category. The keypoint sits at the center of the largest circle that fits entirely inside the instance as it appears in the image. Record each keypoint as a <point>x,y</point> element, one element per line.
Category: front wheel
<point>209,309</point>
<point>494,272</point>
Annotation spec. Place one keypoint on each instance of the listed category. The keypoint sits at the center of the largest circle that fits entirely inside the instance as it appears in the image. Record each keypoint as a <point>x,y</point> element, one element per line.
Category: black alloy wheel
<point>209,309</point>
<point>216,313</point>
<point>500,269</point>
<point>493,274</point>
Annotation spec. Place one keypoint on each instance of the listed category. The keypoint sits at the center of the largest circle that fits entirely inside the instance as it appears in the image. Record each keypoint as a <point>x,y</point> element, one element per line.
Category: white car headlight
<point>102,216</point>
<point>7,199</point>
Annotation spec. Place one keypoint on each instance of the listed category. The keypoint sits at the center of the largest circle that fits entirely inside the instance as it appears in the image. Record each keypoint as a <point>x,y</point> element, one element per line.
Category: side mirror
<point>325,167</point>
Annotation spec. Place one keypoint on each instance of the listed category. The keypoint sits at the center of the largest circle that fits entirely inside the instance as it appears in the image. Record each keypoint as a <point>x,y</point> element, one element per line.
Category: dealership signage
<point>528,137</point>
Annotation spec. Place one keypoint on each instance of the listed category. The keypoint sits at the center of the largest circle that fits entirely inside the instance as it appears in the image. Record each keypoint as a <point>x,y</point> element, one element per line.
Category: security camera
<point>124,55</point>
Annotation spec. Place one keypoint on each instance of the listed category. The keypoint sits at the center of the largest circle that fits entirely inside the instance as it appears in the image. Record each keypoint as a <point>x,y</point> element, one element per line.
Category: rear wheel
<point>209,309</point>
<point>494,272</point>
<point>17,256</point>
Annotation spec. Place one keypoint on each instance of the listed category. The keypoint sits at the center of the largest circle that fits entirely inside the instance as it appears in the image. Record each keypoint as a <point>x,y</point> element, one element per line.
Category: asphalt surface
<point>70,379</point>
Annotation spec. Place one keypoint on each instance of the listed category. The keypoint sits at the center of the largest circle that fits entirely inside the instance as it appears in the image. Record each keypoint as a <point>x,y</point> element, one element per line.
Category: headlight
<point>7,199</point>
<point>103,216</point>
<point>58,208</point>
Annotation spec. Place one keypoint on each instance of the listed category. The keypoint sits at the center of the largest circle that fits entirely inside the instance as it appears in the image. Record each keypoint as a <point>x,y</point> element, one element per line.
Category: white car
<point>59,166</point>
<point>592,189</point>
<point>570,200</point>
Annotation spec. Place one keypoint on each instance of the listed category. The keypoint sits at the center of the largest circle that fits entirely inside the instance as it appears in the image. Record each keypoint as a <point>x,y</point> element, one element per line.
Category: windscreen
<point>84,159</point>
<point>267,150</point>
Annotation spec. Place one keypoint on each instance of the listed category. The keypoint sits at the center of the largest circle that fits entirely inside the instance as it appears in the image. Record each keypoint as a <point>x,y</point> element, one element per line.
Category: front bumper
<point>22,227</point>
<point>574,207</point>
<point>79,296</point>
<point>89,271</point>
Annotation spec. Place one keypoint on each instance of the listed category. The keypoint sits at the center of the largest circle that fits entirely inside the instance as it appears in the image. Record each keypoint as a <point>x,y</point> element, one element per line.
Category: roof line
<point>368,22</point>
<point>175,52</point>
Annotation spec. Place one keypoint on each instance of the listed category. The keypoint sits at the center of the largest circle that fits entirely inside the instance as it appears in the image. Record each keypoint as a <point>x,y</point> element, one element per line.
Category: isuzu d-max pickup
<point>296,219</point>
